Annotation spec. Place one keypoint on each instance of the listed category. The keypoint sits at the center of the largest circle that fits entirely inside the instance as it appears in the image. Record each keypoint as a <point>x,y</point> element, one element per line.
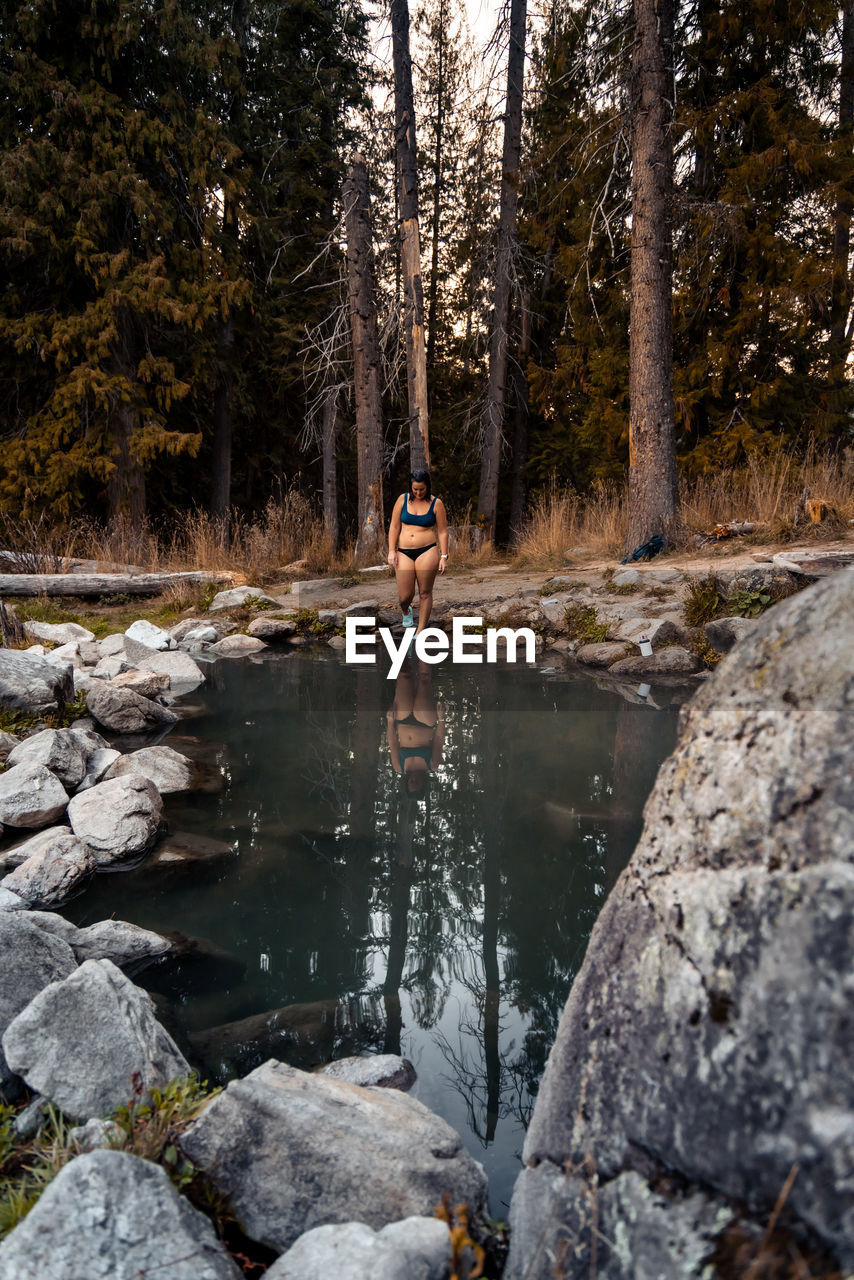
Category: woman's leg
<point>426,568</point>
<point>405,575</point>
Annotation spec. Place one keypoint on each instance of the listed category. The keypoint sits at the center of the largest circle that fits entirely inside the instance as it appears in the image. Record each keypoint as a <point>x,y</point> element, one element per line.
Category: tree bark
<point>413,288</point>
<point>494,413</point>
<point>366,360</point>
<point>842,292</point>
<point>329,432</point>
<point>520,427</point>
<point>653,498</point>
<point>126,484</point>
<point>437,193</point>
<point>99,584</point>
<point>221,462</point>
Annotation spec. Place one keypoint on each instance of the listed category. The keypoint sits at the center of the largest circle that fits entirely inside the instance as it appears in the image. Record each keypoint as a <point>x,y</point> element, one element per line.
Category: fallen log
<point>100,584</point>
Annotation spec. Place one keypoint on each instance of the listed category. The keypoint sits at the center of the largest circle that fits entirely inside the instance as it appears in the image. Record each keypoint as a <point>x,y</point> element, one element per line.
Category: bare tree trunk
<point>495,393</point>
<point>222,435</point>
<point>520,427</point>
<point>329,431</point>
<point>366,360</point>
<point>126,484</point>
<point>413,289</point>
<point>653,498</point>
<point>437,194</point>
<point>841,300</point>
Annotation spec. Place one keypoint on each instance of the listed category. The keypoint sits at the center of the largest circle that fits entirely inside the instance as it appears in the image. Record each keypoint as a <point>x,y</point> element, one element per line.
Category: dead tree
<point>493,434</point>
<point>653,497</point>
<point>841,299</point>
<point>413,288</point>
<point>366,360</point>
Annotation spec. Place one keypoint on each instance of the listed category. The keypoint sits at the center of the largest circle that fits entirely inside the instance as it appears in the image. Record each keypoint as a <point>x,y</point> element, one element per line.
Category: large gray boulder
<point>54,869</point>
<point>123,711</point>
<point>28,683</point>
<point>150,636</point>
<point>295,1151</point>
<point>29,960</point>
<point>58,632</point>
<point>109,1215</point>
<point>415,1249</point>
<point>127,945</point>
<point>58,750</point>
<point>118,818</point>
<point>30,796</point>
<point>167,769</point>
<point>184,674</point>
<point>90,1041</point>
<point>708,1033</point>
<point>236,596</point>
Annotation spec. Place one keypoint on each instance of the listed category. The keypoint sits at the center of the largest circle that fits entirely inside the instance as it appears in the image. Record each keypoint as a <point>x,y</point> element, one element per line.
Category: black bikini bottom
<point>415,552</point>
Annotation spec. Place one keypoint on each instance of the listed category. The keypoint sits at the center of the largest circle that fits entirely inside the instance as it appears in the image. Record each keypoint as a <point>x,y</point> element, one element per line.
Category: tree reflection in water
<point>443,918</point>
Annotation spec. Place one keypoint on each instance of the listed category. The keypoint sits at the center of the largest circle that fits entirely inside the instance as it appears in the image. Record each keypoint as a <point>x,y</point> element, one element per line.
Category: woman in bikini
<point>417,546</point>
<point>416,729</point>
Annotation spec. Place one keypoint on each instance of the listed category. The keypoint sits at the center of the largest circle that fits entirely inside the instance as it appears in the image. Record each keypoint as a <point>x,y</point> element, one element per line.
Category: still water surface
<point>441,916</point>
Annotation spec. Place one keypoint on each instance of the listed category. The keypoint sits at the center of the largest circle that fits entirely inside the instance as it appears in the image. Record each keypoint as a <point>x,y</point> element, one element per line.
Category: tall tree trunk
<point>222,435</point>
<point>841,300</point>
<point>494,413</point>
<point>224,389</point>
<point>366,360</point>
<point>413,289</point>
<point>329,441</point>
<point>653,498</point>
<point>126,484</point>
<point>520,420</point>
<point>437,193</point>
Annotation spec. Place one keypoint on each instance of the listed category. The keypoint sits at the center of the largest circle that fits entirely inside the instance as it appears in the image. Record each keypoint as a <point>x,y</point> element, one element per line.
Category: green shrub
<point>704,601</point>
<point>582,623</point>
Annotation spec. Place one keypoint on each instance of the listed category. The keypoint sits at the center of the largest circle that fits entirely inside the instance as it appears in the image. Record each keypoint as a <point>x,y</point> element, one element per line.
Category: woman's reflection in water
<point>416,733</point>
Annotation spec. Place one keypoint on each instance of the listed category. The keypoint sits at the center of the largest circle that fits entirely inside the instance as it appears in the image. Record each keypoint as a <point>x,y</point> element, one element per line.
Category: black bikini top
<point>429,517</point>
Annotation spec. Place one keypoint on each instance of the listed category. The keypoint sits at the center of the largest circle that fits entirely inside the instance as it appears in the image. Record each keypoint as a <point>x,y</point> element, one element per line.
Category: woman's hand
<point>392,559</point>
<point>443,563</point>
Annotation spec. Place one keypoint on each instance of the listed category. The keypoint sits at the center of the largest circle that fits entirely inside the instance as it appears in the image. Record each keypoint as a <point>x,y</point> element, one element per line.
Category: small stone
<point>237,646</point>
<point>96,766</point>
<point>626,578</point>
<point>671,661</point>
<point>148,634</point>
<point>97,1135</point>
<point>118,818</point>
<point>600,655</point>
<point>111,666</point>
<point>111,645</point>
<point>123,711</point>
<point>53,873</point>
<point>237,596</point>
<point>381,1070</point>
<point>272,629</point>
<point>148,684</point>
<point>58,750</point>
<point>200,635</point>
<point>58,632</point>
<point>167,769</point>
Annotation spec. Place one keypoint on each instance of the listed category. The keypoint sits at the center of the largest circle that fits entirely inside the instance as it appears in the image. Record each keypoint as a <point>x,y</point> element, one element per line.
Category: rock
<point>723,633</point>
<point>52,873</point>
<point>87,738</point>
<point>272,629</point>
<point>29,960</point>
<point>337,642</point>
<point>147,634</point>
<point>111,645</point>
<point>65,653</point>
<point>8,742</point>
<point>184,674</point>
<point>97,1135</point>
<point>184,849</point>
<point>237,646</point>
<point>656,630</point>
<point>32,685</point>
<point>414,1249</point>
<point>90,652</point>
<point>123,711</point>
<point>640,1233</point>
<point>96,766</point>
<point>29,1121</point>
<point>181,628</point>
<point>86,1041</point>
<point>114,665</point>
<point>14,854</point>
<point>58,750</point>
<point>167,769</point>
<point>707,1033</point>
<point>626,578</point>
<point>200,635</point>
<point>553,609</point>
<point>314,587</point>
<point>148,684</point>
<point>57,632</point>
<point>372,1155</point>
<point>82,680</point>
<point>127,945</point>
<point>382,1070</point>
<point>30,796</point>
<point>118,818</point>
<point>604,654</point>
<point>10,901</point>
<point>110,1215</point>
<point>237,596</point>
<point>366,607</point>
<point>671,661</point>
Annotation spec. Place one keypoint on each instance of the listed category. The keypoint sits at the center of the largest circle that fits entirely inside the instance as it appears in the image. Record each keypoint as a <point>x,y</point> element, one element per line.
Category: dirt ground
<point>494,583</point>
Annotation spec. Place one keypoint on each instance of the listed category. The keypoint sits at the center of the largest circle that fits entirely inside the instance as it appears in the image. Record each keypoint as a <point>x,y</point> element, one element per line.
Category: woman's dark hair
<point>420,476</point>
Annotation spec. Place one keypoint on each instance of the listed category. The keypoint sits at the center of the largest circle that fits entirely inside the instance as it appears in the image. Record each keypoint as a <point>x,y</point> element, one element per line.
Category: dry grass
<point>765,492</point>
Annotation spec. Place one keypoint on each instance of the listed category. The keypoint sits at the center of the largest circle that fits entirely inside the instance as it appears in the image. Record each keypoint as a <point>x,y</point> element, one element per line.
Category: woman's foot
<point>408,620</point>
